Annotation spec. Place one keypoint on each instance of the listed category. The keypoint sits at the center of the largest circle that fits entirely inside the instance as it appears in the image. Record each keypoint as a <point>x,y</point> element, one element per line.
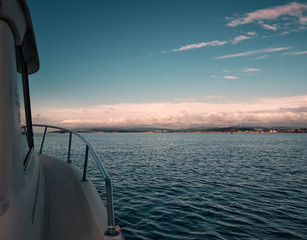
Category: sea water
<point>200,185</point>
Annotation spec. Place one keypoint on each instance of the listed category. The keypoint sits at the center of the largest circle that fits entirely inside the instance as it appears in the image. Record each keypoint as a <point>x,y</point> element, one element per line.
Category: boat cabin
<point>41,197</point>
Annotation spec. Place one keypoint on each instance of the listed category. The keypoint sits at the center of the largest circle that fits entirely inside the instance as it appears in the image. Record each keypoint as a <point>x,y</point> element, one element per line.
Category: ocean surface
<point>200,185</point>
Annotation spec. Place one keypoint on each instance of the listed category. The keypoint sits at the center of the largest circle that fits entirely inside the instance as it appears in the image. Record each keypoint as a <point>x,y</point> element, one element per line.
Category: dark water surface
<point>201,185</point>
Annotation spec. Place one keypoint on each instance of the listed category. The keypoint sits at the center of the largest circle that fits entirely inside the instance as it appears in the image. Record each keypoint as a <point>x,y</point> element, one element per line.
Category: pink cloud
<point>303,20</point>
<point>230,77</point>
<point>240,38</point>
<point>288,111</point>
<point>291,9</point>
<point>269,27</point>
<point>198,45</point>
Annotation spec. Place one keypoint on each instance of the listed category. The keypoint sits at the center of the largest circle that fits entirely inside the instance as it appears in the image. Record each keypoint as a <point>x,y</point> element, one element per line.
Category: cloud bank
<point>286,111</point>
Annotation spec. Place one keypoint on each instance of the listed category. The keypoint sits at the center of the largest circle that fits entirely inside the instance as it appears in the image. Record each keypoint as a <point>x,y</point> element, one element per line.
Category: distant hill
<point>122,130</point>
<point>228,129</point>
<point>232,129</point>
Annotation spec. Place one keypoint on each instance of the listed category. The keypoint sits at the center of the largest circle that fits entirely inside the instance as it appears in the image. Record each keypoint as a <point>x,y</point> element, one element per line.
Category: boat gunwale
<point>108,183</point>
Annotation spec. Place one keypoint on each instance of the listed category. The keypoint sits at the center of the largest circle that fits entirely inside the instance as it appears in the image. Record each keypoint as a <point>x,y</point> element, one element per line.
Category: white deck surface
<point>65,218</point>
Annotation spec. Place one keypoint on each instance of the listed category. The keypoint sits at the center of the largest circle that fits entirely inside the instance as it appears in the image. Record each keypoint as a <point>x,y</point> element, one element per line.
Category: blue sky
<point>170,63</point>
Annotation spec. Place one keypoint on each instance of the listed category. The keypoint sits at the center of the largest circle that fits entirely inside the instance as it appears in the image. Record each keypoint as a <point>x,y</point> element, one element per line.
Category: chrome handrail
<point>108,183</point>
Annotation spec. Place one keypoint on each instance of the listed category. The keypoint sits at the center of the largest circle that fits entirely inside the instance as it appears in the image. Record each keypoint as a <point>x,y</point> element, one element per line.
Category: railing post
<point>110,209</point>
<point>43,140</point>
<point>109,191</point>
<point>85,164</point>
<point>69,148</point>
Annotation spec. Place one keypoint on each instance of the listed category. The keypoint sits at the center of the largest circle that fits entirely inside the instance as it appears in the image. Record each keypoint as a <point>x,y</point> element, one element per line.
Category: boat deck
<point>67,212</point>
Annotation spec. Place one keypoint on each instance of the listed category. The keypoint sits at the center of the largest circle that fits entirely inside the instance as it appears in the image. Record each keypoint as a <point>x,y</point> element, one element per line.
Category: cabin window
<point>22,118</point>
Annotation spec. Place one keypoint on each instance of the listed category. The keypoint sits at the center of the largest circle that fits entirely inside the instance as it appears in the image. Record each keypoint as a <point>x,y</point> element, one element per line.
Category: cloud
<point>287,111</point>
<point>303,20</point>
<point>212,43</point>
<point>197,45</point>
<point>262,57</point>
<point>253,52</point>
<point>244,70</point>
<point>300,109</point>
<point>230,77</point>
<point>252,33</point>
<point>240,38</point>
<point>296,53</point>
<point>251,70</point>
<point>269,27</point>
<point>292,10</point>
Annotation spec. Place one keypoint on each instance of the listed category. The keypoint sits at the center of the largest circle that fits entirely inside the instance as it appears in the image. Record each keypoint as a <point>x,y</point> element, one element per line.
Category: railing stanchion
<point>43,140</point>
<point>109,190</point>
<point>110,209</point>
<point>85,164</point>
<point>69,148</point>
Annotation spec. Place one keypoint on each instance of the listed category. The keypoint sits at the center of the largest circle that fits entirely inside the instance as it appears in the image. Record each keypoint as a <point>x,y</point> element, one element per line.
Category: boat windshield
<point>22,117</point>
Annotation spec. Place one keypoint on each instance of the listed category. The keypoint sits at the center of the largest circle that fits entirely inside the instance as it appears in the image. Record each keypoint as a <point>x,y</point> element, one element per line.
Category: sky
<point>170,63</point>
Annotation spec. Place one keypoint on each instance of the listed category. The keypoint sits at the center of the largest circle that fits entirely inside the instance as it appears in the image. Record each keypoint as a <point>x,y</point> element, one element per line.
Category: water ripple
<point>204,186</point>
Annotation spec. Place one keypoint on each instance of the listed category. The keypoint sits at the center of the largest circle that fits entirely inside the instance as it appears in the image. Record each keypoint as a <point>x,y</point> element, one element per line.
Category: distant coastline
<point>196,130</point>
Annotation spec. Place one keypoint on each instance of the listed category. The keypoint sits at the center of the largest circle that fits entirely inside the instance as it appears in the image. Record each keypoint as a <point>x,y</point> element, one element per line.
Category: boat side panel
<point>10,137</point>
<point>21,192</point>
